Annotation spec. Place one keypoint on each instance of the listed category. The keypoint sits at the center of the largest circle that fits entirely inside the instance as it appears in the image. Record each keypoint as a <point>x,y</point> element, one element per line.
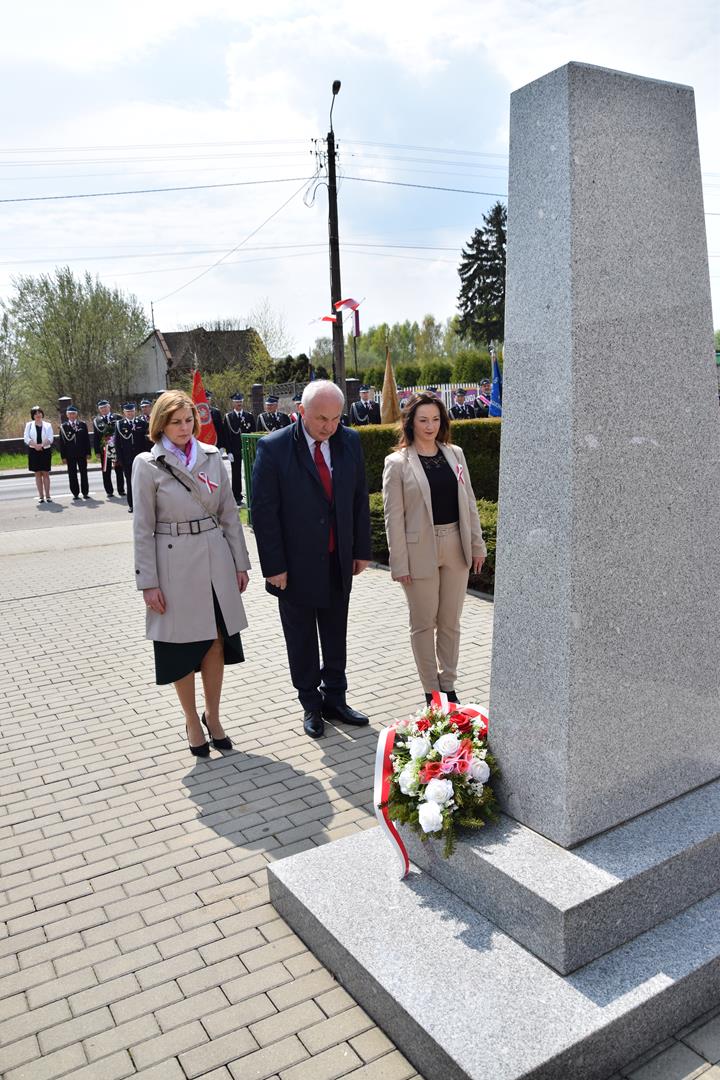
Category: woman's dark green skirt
<point>173,661</point>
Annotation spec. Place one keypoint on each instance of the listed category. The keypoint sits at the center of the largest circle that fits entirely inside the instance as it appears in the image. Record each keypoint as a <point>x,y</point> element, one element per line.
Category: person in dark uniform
<point>294,415</point>
<point>238,422</point>
<point>144,419</point>
<point>217,420</point>
<point>75,452</point>
<point>432,390</point>
<point>130,439</point>
<point>364,411</point>
<point>483,400</point>
<point>104,439</point>
<point>271,419</point>
<point>461,411</point>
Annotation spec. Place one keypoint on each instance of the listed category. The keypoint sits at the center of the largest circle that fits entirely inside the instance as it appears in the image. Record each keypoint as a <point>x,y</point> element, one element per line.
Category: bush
<point>482,582</point>
<point>472,365</point>
<point>435,372</point>
<point>407,374</point>
<point>479,439</point>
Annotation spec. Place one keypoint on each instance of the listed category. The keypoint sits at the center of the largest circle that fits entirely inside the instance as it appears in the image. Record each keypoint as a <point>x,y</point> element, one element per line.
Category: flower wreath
<point>433,772</point>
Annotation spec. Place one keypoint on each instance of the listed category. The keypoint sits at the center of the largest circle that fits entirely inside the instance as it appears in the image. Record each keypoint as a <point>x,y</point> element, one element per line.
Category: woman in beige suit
<point>434,536</point>
<point>191,562</point>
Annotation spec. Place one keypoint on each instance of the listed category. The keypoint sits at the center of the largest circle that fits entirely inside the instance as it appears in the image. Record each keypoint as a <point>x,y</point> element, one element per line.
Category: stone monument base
<point>464,1001</point>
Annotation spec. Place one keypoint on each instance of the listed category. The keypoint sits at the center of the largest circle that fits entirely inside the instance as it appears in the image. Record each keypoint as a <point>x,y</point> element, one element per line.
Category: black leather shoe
<point>452,697</point>
<point>220,744</point>
<point>428,699</point>
<point>345,714</point>
<point>313,724</point>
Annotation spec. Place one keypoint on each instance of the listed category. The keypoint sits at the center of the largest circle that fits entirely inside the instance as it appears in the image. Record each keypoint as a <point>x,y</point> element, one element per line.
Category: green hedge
<point>484,581</point>
<point>479,439</point>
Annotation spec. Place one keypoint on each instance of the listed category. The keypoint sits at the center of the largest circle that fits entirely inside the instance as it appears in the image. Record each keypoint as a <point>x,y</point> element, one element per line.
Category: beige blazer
<point>187,567</point>
<point>408,513</point>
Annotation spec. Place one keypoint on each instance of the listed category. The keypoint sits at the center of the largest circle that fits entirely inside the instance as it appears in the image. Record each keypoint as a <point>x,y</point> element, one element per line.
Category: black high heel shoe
<point>220,744</point>
<point>198,751</point>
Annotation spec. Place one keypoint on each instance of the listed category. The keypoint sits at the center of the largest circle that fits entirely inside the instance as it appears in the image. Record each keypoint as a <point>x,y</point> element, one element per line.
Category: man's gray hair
<point>321,386</point>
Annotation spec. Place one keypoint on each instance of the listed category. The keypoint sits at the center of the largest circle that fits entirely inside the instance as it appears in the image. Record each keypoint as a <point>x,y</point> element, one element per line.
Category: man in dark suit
<point>482,403</point>
<point>272,419</point>
<point>461,411</point>
<point>104,437</point>
<point>309,559</point>
<point>364,411</point>
<point>130,440</point>
<point>238,422</point>
<point>75,451</point>
<point>144,419</point>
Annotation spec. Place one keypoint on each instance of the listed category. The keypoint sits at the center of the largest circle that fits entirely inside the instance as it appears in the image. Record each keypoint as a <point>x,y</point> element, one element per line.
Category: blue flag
<point>495,408</point>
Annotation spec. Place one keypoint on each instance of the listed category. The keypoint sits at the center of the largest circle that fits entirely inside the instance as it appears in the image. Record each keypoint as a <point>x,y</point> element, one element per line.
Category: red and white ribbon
<point>381,793</point>
<point>460,473</point>
<point>209,484</point>
<point>472,712</point>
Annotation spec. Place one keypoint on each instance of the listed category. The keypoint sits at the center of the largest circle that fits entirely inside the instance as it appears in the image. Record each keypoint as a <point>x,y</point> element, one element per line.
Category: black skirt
<point>173,661</point>
<point>39,460</point>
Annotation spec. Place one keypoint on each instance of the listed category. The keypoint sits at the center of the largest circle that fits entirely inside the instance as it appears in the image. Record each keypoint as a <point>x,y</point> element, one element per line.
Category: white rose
<point>419,748</point>
<point>479,770</point>
<point>430,817</point>
<point>448,744</point>
<point>439,791</point>
<point>407,780</point>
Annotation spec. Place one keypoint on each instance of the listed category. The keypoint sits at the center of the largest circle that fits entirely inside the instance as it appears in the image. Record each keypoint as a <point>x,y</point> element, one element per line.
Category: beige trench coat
<point>187,567</point>
<point>408,513</point>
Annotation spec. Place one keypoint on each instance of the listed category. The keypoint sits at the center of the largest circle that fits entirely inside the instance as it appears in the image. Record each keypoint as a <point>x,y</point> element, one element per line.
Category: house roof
<point>218,347</point>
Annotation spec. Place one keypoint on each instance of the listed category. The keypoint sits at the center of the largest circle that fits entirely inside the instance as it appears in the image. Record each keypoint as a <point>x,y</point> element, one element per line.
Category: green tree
<point>717,341</point>
<point>482,275</point>
<point>75,336</point>
<point>471,365</point>
<point>407,374</point>
<point>435,372</point>
<point>9,368</point>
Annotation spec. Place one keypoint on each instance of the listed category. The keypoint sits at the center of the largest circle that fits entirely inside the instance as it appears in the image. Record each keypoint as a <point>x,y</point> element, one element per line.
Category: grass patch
<point>20,461</point>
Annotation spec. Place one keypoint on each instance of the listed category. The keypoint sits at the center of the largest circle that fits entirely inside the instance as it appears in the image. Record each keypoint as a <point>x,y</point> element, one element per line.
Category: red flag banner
<point>207,428</point>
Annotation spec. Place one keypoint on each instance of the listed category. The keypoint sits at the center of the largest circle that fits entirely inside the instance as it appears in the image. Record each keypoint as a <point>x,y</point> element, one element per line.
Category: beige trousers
<point>435,605</point>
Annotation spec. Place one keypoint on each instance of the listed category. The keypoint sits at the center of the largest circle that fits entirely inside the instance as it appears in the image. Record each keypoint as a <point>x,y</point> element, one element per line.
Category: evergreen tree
<point>482,275</point>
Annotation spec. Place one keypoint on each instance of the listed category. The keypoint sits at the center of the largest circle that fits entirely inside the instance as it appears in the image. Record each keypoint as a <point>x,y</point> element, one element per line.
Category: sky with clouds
<point>116,97</point>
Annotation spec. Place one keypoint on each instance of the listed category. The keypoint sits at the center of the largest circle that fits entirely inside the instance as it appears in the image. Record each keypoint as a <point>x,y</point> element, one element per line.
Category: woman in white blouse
<point>39,438</point>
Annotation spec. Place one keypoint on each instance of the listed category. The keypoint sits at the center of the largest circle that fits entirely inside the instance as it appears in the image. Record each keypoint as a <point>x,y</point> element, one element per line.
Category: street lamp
<point>335,288</point>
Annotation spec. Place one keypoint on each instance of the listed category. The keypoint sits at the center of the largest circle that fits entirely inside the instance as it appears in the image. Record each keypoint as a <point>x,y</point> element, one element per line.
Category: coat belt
<point>180,528</point>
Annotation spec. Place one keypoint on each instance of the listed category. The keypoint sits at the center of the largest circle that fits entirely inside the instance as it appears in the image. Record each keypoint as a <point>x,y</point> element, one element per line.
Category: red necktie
<point>326,481</point>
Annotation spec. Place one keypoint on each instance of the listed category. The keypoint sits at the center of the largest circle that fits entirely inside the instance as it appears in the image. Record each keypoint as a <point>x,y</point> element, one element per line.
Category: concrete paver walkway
<point>136,935</point>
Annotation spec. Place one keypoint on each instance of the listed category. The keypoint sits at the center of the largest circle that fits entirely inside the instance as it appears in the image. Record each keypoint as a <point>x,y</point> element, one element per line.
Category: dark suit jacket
<point>291,515</point>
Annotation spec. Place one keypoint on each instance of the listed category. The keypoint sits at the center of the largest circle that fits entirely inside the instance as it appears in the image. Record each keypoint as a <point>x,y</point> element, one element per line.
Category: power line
<point>152,191</point>
<point>232,251</point>
<point>425,187</point>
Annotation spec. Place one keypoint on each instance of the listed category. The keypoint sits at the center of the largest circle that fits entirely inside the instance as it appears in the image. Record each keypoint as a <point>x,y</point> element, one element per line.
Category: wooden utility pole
<point>335,288</point>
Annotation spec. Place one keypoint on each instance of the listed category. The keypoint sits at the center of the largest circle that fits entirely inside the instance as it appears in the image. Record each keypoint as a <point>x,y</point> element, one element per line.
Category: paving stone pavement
<point>136,933</point>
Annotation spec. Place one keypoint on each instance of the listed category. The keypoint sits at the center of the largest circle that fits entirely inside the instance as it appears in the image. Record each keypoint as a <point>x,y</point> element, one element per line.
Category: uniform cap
<point>71,408</point>
<point>128,405</point>
<point>145,401</point>
<point>297,398</point>
<point>432,390</point>
<point>271,399</point>
<point>364,388</point>
<point>208,394</point>
<point>460,392</point>
<point>102,401</point>
<point>238,397</point>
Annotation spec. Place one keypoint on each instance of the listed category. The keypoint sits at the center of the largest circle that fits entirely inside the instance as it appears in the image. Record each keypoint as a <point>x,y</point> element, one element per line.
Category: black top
<point>38,433</point>
<point>443,488</point>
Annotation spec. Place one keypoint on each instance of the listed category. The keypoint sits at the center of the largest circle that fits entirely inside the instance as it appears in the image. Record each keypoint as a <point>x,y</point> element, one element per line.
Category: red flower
<point>462,723</point>
<point>430,771</point>
<point>423,725</point>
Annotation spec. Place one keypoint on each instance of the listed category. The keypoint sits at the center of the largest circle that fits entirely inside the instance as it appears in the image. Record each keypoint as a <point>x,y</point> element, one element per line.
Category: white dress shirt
<point>324,448</point>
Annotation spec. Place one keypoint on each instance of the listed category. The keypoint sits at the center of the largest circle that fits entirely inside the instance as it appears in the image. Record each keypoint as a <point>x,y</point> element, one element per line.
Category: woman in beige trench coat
<point>434,537</point>
<point>191,562</point>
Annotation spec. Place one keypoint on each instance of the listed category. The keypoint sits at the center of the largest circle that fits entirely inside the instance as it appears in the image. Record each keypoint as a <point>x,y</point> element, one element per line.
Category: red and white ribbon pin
<point>209,484</point>
<point>381,793</point>
<point>460,473</point>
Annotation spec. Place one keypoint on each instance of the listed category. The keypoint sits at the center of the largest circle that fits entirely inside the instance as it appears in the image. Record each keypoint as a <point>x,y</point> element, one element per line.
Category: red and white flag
<point>208,433</point>
<point>351,305</point>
